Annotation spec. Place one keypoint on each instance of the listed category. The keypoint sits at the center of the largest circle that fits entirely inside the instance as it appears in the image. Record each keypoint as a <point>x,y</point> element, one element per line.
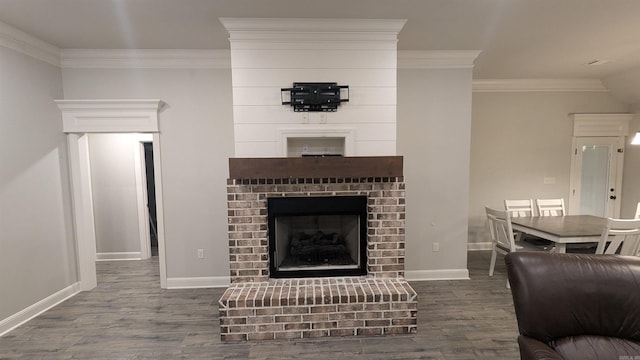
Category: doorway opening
<point>89,116</point>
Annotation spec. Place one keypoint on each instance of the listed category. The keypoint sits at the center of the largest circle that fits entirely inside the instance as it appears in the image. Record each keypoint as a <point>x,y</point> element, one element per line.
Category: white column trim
<point>83,213</point>
<point>157,174</point>
<point>110,116</point>
<point>142,199</point>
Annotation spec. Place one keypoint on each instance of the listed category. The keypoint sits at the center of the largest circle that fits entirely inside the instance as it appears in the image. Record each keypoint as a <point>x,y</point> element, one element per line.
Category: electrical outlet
<point>436,246</point>
<point>200,253</point>
<point>323,118</point>
<point>305,117</point>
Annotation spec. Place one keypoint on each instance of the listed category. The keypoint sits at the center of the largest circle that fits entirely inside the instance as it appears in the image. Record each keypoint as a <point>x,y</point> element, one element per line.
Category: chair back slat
<point>620,236</point>
<point>519,208</point>
<point>551,207</point>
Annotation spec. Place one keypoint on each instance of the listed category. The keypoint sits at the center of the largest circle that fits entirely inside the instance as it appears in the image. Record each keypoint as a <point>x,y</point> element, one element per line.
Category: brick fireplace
<point>257,306</point>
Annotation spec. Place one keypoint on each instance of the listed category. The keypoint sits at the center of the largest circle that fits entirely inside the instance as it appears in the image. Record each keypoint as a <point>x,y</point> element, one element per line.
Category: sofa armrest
<point>532,349</point>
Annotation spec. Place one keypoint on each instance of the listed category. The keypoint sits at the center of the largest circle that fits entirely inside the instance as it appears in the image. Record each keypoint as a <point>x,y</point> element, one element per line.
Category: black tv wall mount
<point>310,96</point>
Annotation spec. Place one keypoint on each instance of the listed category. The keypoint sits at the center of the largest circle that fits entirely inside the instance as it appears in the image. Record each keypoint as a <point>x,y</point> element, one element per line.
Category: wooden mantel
<point>315,167</point>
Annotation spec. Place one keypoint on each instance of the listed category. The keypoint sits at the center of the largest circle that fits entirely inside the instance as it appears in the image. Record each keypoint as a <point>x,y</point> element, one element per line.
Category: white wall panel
<point>375,132</point>
<point>372,95</point>
<point>309,59</point>
<point>375,148</point>
<point>264,96</point>
<point>346,114</point>
<point>281,78</point>
<point>270,96</point>
<point>267,60</point>
<point>258,149</point>
<point>256,132</point>
<point>276,114</point>
<point>349,113</point>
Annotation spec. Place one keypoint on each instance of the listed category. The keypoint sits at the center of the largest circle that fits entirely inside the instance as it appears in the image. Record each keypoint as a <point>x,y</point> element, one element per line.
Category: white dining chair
<point>637,211</point>
<point>519,208</point>
<point>550,207</point>
<point>620,236</point>
<point>502,238</point>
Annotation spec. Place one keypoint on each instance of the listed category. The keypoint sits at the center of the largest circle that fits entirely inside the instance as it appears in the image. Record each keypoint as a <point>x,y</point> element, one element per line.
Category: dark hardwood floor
<point>128,316</point>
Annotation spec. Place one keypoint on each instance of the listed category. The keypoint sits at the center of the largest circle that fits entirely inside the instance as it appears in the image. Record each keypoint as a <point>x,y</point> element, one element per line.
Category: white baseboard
<point>38,308</point>
<point>116,256</point>
<point>444,274</point>
<point>198,282</point>
<point>479,246</point>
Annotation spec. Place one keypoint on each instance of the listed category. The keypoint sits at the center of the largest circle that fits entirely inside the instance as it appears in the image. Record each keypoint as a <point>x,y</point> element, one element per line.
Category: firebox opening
<point>317,236</point>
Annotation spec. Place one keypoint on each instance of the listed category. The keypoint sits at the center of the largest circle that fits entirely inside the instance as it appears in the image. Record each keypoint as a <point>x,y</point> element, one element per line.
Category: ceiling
<point>519,39</point>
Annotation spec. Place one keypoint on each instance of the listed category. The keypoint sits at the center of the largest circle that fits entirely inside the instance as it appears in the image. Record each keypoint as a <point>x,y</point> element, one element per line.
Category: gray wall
<point>517,140</point>
<point>37,255</point>
<point>196,140</point>
<point>113,185</point>
<point>434,124</point>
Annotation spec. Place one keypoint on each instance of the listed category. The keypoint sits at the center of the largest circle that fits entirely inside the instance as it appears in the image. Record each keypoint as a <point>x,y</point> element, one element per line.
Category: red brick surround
<point>248,241</point>
<point>256,307</point>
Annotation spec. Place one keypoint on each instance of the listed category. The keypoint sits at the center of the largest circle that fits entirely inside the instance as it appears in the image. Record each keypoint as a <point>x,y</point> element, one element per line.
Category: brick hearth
<point>256,307</point>
<point>318,307</point>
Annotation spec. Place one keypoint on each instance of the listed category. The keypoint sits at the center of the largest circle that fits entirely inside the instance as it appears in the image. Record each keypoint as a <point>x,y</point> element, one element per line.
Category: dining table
<point>562,230</point>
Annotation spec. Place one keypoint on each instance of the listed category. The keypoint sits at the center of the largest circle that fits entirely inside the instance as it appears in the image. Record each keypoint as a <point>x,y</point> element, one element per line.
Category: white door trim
<point>142,197</point>
<point>81,117</point>
<point>609,128</point>
<point>614,178</point>
<point>83,215</point>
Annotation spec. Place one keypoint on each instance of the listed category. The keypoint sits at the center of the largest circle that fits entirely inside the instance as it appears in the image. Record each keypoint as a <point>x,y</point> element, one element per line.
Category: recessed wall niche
<point>297,147</point>
<point>317,142</point>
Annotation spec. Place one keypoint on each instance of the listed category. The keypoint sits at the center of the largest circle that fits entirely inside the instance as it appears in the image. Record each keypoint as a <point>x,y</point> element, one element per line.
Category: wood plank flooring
<point>128,316</point>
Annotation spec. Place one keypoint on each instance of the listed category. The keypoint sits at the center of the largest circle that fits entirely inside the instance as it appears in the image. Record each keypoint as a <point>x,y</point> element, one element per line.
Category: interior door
<point>596,176</point>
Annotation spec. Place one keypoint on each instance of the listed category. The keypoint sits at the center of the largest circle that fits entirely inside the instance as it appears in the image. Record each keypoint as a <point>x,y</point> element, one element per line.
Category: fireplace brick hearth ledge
<point>257,307</point>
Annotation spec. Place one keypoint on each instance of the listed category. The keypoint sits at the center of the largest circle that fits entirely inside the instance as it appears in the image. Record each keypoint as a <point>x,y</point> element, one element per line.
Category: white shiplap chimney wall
<point>270,54</point>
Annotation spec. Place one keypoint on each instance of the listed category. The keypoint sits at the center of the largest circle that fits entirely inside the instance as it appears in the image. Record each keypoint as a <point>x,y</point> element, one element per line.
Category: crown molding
<point>275,30</point>
<point>437,59</point>
<point>538,85</point>
<point>145,58</point>
<point>236,26</point>
<point>18,40</point>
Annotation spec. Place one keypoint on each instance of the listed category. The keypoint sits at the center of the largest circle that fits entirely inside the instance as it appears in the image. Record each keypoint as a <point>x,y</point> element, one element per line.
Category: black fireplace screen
<point>317,236</point>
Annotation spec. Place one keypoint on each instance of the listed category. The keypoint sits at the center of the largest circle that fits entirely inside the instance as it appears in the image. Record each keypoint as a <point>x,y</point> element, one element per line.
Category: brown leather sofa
<point>576,306</point>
